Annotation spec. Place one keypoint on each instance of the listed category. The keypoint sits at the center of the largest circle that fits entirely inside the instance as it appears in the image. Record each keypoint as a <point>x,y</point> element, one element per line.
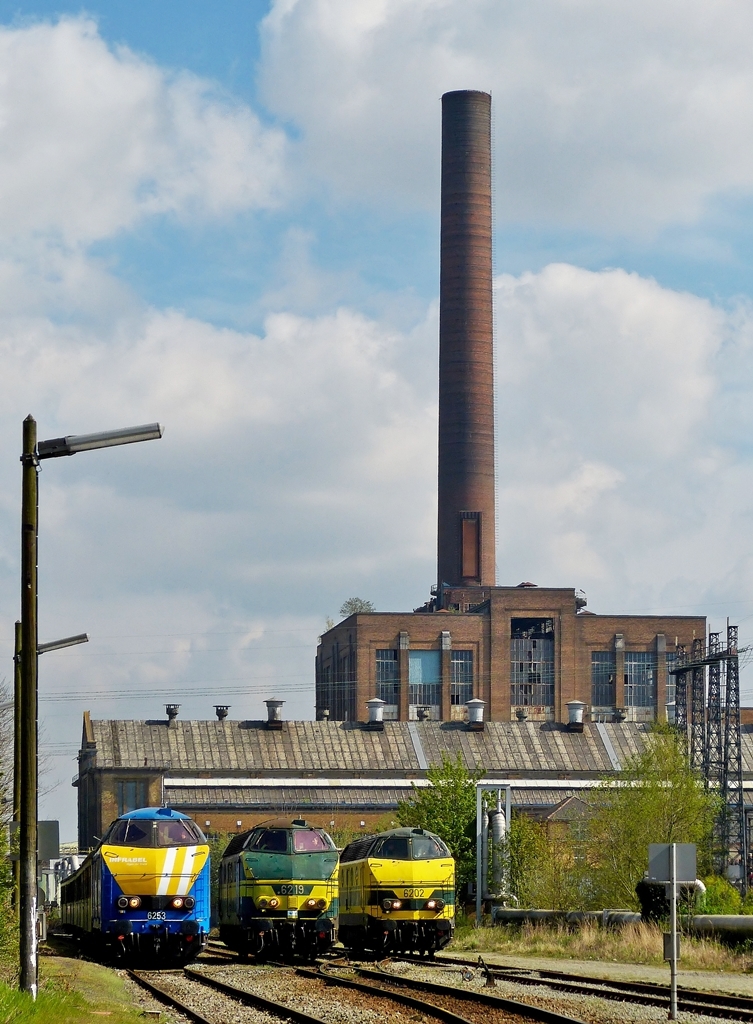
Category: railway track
<point>710,1004</point>
<point>367,999</point>
<point>476,1006</point>
<point>192,986</point>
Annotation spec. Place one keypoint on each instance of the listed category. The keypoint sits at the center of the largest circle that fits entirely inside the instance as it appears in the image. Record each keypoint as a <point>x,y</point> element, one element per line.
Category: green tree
<point>356,606</point>
<point>546,869</point>
<point>660,799</point>
<point>447,807</point>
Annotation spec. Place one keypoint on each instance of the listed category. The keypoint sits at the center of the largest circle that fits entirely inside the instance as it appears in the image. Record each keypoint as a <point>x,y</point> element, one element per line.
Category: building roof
<point>347,748</point>
<point>306,749</point>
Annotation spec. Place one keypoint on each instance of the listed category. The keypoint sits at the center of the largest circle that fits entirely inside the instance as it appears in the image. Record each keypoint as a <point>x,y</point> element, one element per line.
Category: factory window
<point>336,691</point>
<point>461,680</point>
<point>603,676</point>
<point>424,678</point>
<point>386,675</point>
<point>132,794</point>
<point>640,679</point>
<point>532,662</point>
<point>671,680</point>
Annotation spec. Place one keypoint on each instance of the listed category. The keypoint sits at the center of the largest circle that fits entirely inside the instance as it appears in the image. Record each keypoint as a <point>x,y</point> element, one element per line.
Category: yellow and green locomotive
<point>278,890</point>
<point>397,892</point>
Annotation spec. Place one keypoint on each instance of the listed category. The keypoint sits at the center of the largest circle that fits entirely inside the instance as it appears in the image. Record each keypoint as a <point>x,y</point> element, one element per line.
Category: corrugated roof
<point>519,748</point>
<point>514,749</point>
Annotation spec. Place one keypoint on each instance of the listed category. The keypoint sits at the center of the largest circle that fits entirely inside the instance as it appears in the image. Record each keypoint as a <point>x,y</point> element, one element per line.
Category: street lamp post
<point>32,453</point>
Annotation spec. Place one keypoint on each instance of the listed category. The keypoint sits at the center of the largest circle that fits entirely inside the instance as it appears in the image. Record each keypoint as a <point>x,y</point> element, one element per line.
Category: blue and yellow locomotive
<point>144,891</point>
<point>397,892</point>
<point>278,890</point>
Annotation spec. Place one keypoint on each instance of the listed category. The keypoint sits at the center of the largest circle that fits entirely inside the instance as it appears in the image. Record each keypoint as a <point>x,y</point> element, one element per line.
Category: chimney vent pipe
<point>171,710</point>
<point>476,714</point>
<point>376,714</point>
<point>221,711</point>
<point>575,709</point>
<point>274,713</point>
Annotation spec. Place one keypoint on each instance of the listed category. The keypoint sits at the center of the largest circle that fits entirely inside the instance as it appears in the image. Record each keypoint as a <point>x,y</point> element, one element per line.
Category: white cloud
<point>620,464</point>
<point>627,115</point>
<point>92,140</point>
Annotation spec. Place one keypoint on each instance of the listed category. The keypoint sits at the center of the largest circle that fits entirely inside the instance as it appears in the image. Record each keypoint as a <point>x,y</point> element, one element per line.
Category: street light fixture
<point>31,456</point>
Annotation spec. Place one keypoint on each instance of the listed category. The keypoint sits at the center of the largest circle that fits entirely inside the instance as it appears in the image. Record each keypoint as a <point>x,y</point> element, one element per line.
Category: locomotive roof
<point>154,813</point>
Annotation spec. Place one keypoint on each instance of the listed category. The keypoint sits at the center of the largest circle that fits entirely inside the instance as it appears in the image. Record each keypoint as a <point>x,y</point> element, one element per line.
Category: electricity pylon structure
<point>709,716</point>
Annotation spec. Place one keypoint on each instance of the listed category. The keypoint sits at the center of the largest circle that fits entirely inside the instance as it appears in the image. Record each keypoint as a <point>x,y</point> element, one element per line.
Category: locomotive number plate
<point>407,893</point>
<point>293,890</point>
<point>156,915</point>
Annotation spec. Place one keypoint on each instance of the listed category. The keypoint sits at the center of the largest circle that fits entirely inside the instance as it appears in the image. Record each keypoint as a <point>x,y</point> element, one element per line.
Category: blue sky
<point>225,217</point>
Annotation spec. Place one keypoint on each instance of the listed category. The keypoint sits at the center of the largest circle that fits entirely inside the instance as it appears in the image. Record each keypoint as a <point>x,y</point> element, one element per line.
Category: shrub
<point>720,897</point>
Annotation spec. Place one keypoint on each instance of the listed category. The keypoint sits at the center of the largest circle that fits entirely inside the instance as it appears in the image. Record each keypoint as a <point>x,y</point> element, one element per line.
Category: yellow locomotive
<point>397,892</point>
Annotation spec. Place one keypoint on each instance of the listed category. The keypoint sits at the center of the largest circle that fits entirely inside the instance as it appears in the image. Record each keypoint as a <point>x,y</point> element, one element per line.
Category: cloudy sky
<point>224,216</point>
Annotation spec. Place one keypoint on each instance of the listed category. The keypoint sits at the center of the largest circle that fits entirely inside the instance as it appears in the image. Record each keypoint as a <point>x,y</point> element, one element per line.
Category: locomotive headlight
<point>274,903</point>
<point>321,904</point>
<point>134,902</point>
<point>123,902</point>
<point>263,903</point>
<point>189,902</point>
<point>388,905</point>
<point>311,904</point>
<point>434,905</point>
<point>177,903</point>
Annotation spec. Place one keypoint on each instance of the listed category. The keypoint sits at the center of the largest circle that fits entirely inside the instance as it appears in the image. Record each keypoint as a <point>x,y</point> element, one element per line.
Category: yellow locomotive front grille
<point>145,871</point>
<point>295,897</point>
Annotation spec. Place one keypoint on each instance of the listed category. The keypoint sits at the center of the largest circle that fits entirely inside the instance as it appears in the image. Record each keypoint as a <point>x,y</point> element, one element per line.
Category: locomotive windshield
<point>145,832</point>
<point>413,848</point>
<point>310,841</point>
<point>275,840</point>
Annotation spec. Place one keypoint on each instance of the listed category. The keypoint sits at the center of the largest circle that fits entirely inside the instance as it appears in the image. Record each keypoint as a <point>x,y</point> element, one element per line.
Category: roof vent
<point>171,710</point>
<point>274,713</point>
<point>422,714</point>
<point>221,711</point>
<point>376,714</point>
<point>325,714</point>
<point>528,585</point>
<point>575,709</point>
<point>476,714</point>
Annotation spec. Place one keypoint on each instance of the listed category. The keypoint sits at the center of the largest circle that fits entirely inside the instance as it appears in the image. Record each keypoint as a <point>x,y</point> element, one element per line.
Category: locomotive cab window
<point>426,848</point>
<point>145,833</point>
<point>271,840</point>
<point>311,841</point>
<point>393,848</point>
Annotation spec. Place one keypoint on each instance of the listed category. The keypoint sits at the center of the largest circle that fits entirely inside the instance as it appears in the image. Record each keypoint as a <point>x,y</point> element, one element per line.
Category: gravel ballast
<point>337,1005</point>
<point>583,1007</point>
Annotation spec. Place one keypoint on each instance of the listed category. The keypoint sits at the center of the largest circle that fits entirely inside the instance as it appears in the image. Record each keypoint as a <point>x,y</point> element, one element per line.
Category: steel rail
<point>251,999</point>
<point>739,1008</point>
<point>425,1006</point>
<point>167,998</point>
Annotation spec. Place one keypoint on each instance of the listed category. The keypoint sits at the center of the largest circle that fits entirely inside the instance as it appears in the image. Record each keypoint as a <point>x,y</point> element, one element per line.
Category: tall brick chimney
<point>466,555</point>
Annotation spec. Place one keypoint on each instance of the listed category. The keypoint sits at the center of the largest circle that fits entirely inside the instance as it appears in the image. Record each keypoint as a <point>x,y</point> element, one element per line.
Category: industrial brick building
<point>231,774</point>
<point>526,651</point>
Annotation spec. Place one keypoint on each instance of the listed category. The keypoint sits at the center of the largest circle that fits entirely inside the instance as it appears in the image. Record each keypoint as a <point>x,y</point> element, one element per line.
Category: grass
<point>71,991</point>
<point>635,944</point>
